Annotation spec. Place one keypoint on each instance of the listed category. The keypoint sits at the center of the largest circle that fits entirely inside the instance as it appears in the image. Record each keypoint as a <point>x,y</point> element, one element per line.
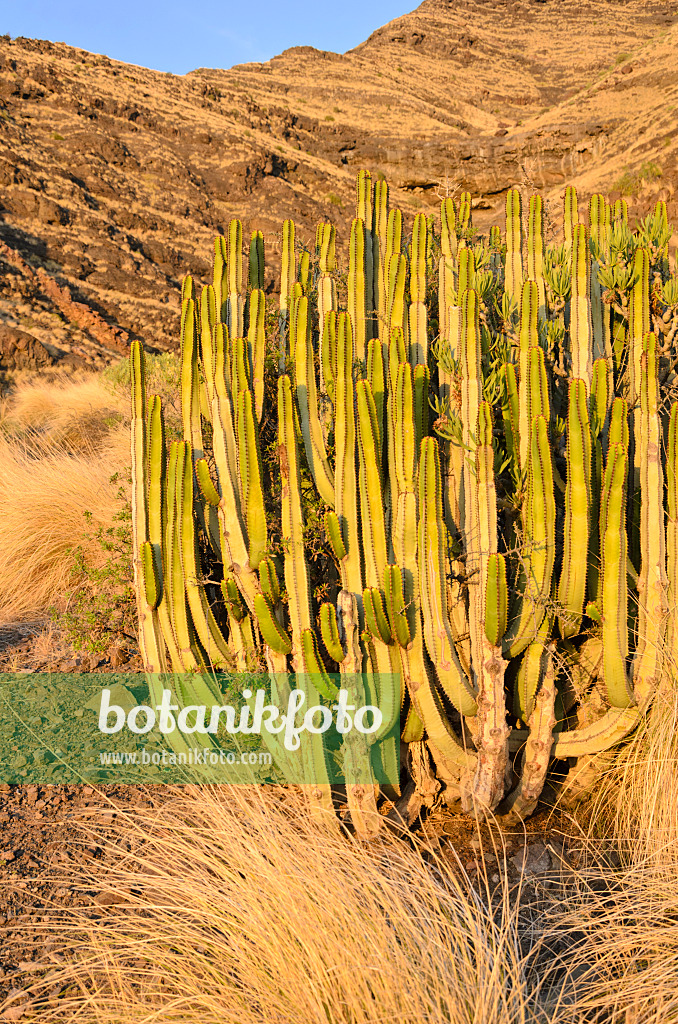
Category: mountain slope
<point>114,179</point>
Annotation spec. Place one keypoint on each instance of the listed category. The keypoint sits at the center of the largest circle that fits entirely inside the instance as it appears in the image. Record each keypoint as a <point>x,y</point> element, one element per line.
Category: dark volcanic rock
<point>21,351</point>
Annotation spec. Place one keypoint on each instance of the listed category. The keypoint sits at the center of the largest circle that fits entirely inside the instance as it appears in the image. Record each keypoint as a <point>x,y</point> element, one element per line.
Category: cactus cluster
<point>488,425</point>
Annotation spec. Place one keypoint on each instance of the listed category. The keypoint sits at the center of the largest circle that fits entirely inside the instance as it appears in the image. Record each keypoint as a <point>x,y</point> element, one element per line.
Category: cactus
<point>488,547</point>
<point>514,244</point>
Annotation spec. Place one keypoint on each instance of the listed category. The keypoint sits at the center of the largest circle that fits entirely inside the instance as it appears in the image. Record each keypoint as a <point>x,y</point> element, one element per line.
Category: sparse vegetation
<point>99,601</point>
<point>631,182</point>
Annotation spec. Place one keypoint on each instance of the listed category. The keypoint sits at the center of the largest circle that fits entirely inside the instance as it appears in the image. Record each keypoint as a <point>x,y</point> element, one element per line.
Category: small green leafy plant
<point>101,605</point>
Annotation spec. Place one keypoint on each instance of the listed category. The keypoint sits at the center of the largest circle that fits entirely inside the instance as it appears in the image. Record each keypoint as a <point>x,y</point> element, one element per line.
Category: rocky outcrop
<point>21,351</point>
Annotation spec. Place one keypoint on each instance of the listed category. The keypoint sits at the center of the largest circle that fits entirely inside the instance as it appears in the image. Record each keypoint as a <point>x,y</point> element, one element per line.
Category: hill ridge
<point>114,178</point>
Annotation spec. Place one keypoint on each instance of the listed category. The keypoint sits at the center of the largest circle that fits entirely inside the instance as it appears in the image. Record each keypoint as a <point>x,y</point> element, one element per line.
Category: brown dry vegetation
<point>61,441</point>
<point>233,905</point>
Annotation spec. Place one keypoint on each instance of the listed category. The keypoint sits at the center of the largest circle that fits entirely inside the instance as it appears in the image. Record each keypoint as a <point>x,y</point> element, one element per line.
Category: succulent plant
<point>511,559</point>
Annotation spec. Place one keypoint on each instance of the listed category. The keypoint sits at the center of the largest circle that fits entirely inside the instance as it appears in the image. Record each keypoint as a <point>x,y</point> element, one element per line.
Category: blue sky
<point>178,37</point>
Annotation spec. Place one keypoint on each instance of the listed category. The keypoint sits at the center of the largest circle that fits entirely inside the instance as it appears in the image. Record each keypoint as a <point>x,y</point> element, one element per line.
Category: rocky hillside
<point>114,179</point>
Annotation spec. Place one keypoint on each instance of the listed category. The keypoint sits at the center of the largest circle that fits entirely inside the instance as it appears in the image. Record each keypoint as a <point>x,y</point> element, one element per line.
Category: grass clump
<point>281,918</point>
<point>61,443</point>
<point>631,182</point>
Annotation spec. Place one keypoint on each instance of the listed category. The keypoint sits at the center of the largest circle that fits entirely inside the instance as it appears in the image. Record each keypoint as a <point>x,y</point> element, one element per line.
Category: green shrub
<point>101,608</point>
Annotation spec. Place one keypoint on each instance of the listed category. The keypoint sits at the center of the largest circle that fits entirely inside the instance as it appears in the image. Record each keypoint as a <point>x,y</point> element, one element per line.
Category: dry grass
<point>233,905</point>
<point>638,805</point>
<point>43,500</point>
<point>240,909</point>
<point>59,446</point>
<point>617,931</point>
<point>72,413</point>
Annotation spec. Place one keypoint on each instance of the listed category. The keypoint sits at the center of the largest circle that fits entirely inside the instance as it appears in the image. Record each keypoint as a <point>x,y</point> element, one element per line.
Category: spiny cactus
<point>489,514</point>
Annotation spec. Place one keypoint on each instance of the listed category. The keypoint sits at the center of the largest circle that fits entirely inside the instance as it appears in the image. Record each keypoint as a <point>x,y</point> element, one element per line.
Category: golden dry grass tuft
<point>73,413</point>
<point>60,444</point>
<point>228,905</point>
<point>238,908</point>
<point>617,930</point>
<point>638,804</point>
<point>43,501</point>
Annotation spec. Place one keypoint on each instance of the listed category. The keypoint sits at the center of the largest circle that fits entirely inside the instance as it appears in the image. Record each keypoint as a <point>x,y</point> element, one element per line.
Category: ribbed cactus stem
<point>448,228</point>
<point>492,736</point>
<point>639,316</point>
<point>572,586</point>
<point>256,346</point>
<point>537,755</point>
<point>397,276</point>
<point>357,287</point>
<point>599,405</point>
<point>471,400</point>
<point>288,264</point>
<point>296,569</point>
<point>157,514</point>
<point>376,375</point>
<point>256,260</point>
<point>307,402</point>
<point>327,289</point>
<point>432,576</point>
<point>614,553</point>
<point>538,554</point>
<point>465,211</point>
<point>535,249</point>
<point>150,641</point>
<point>206,627</point>
<point>528,338</point>
<point>208,319</point>
<point>371,500</point>
<point>365,213</point>
<point>219,278</point>
<point>581,334</point>
<point>235,306</point>
<point>190,382</point>
<point>345,482</point>
<point>652,581</point>
<point>467,271</point>
<point>513,275</point>
<point>251,478</point>
<point>417,312</point>
<point>174,583</point>
<point>379,237</point>
<point>570,215</point>
<point>389,247</point>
